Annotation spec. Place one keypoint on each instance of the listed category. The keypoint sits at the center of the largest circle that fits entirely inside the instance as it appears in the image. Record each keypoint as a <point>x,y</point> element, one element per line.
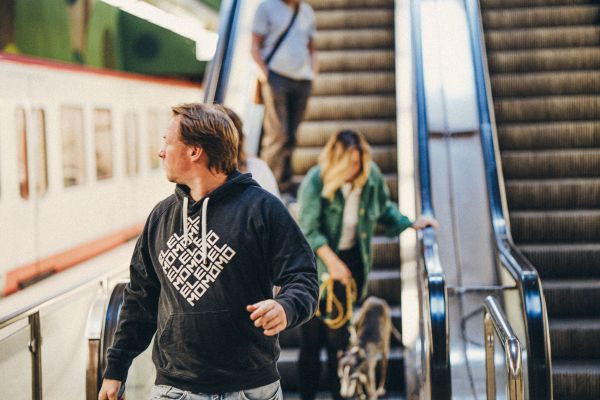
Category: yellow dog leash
<point>331,301</point>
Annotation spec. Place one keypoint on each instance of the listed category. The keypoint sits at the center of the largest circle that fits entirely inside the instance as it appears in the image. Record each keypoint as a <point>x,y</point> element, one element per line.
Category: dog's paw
<point>381,392</point>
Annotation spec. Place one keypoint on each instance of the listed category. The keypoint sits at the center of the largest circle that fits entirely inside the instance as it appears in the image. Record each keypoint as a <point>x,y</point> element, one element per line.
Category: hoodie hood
<point>235,181</point>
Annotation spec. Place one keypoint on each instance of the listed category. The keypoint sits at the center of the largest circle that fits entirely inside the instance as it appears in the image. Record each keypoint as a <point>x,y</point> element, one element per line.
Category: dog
<point>369,344</point>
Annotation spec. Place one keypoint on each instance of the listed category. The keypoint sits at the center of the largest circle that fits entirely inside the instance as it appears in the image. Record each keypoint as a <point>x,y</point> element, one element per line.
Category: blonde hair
<point>335,160</point>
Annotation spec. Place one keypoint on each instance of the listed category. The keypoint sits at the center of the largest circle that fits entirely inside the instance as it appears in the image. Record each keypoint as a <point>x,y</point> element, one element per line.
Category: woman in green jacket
<point>341,201</point>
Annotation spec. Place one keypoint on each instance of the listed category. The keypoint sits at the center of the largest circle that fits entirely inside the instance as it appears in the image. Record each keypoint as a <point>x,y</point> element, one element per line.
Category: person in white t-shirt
<point>258,168</point>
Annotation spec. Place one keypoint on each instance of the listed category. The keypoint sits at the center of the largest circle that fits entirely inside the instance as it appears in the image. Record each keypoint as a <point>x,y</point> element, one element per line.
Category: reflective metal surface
<point>496,322</point>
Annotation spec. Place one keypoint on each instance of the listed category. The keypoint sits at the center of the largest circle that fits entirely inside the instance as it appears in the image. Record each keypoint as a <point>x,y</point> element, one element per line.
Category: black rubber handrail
<point>215,82</point>
<point>536,319</point>
<point>439,353</point>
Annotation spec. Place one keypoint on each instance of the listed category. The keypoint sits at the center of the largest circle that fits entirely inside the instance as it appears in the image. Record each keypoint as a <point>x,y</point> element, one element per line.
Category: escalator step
<point>580,36</point>
<point>376,131</point>
<point>548,194</point>
<point>354,39</point>
<point>533,60</point>
<point>344,83</point>
<point>386,252</point>
<point>550,164</point>
<point>356,60</point>
<point>553,135</point>
<point>333,4</point>
<point>575,338</point>
<point>572,298</point>
<point>351,107</point>
<point>531,17</point>
<point>305,157</point>
<point>555,226</point>
<point>560,260</point>
<point>292,338</point>
<point>355,18</point>
<point>386,285</point>
<point>487,4</point>
<point>576,379</point>
<point>544,109</point>
<point>546,84</point>
<point>288,369</point>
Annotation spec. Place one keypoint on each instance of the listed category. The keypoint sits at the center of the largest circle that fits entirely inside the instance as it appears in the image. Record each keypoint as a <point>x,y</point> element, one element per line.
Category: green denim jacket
<point>321,219</point>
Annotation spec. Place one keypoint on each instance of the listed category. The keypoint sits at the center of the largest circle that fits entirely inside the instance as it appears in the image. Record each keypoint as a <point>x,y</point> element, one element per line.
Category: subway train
<point>79,166</point>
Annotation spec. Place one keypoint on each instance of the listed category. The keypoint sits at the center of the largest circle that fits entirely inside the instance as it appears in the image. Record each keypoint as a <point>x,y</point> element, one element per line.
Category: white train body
<point>96,182</point>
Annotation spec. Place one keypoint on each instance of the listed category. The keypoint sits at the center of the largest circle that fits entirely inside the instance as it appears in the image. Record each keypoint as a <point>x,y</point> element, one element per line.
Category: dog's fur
<point>369,344</point>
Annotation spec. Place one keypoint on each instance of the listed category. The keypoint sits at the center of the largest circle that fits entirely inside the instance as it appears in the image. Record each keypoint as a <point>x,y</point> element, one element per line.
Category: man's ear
<point>196,153</point>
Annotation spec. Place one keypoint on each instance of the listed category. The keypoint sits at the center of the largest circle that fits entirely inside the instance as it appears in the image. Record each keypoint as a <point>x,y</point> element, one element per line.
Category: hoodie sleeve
<point>293,266</point>
<point>137,319</point>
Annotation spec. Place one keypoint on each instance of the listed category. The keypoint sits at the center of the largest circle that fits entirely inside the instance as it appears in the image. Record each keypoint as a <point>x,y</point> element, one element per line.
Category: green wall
<point>42,29</point>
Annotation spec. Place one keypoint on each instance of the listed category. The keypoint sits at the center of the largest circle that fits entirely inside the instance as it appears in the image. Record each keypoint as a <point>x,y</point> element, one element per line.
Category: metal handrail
<point>215,82</point>
<point>539,366</point>
<point>439,352</point>
<point>495,320</point>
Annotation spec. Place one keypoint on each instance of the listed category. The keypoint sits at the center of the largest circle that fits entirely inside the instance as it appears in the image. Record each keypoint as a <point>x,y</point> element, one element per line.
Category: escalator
<point>544,58</point>
<point>355,89</point>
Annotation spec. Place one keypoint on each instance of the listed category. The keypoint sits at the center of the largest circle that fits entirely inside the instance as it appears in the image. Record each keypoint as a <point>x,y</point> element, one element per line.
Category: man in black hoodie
<point>202,273</point>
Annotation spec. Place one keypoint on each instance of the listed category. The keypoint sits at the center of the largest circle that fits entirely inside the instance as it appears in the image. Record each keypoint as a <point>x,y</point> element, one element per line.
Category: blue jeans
<point>271,391</point>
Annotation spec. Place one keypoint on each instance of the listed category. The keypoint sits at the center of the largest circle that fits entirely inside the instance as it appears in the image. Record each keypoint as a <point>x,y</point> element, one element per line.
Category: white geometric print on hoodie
<point>184,266</point>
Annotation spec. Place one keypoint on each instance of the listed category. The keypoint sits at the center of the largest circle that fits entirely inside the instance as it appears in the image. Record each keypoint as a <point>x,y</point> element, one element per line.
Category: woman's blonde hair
<point>335,160</point>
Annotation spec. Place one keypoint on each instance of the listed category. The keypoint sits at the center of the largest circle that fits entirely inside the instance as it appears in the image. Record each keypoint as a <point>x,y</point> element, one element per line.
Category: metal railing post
<point>35,348</point>
<point>495,320</point>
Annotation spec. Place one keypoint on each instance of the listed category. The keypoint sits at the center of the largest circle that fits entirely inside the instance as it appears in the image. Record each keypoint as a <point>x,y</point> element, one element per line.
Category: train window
<point>103,142</point>
<point>22,167</point>
<point>154,137</point>
<point>41,184</point>
<point>73,145</point>
<point>132,139</point>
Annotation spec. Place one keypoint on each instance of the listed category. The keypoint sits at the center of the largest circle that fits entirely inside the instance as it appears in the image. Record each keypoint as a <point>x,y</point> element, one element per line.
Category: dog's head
<point>352,371</point>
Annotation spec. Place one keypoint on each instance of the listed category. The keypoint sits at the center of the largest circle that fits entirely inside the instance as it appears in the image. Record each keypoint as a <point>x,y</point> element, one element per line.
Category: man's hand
<point>268,315</point>
<point>424,222</point>
<point>110,389</point>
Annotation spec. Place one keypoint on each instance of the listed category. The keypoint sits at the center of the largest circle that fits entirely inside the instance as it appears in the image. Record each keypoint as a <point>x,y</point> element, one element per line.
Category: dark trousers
<point>316,335</point>
<point>285,102</point>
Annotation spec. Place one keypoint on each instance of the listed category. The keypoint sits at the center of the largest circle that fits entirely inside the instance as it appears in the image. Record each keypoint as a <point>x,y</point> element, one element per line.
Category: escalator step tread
<point>551,164</point>
<point>575,338</point>
<point>345,4</point>
<point>344,83</point>
<point>550,59</point>
<point>339,39</point>
<point>572,36</point>
<point>547,194</point>
<point>549,108</point>
<point>576,379</point>
<point>487,4</point>
<point>564,260</point>
<point>356,60</point>
<point>553,226</point>
<point>549,135</point>
<point>585,82</point>
<point>355,18</point>
<point>541,16</point>
<point>351,107</point>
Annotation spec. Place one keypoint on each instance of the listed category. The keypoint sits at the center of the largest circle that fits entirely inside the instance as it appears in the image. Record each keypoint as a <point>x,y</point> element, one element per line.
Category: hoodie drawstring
<point>186,237</point>
<point>204,238</point>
